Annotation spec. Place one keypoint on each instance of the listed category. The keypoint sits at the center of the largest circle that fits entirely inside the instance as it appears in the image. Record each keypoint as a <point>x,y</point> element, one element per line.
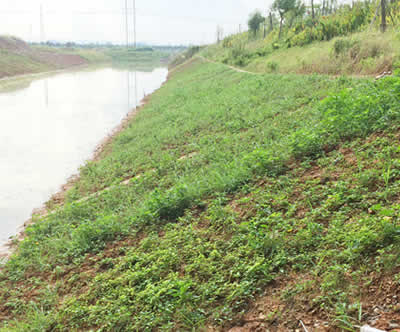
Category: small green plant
<point>386,177</point>
<point>342,45</point>
<point>272,66</point>
<point>344,316</point>
<point>275,46</point>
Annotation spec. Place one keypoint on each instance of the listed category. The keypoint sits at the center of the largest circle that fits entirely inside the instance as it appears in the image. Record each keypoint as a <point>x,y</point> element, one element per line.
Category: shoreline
<point>42,73</point>
<point>57,200</point>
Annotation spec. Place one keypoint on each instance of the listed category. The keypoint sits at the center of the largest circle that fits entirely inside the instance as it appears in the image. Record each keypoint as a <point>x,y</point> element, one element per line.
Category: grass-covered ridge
<point>362,53</point>
<point>342,41</point>
<point>236,180</point>
<point>335,40</point>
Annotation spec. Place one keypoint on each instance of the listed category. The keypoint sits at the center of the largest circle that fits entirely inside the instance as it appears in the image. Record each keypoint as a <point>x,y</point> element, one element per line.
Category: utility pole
<point>42,35</point>
<point>134,24</point>
<point>134,45</point>
<point>220,32</point>
<point>30,33</point>
<point>126,23</point>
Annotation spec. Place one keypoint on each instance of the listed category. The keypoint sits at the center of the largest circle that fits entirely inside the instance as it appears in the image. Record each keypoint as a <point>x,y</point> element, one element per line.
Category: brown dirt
<point>271,312</point>
<point>59,60</point>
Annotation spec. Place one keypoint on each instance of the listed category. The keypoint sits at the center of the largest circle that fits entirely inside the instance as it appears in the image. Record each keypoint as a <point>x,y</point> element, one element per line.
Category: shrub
<point>272,66</point>
<point>373,49</point>
<point>342,45</point>
<point>171,204</point>
<point>306,143</point>
<point>240,56</point>
<point>227,42</point>
<point>343,22</point>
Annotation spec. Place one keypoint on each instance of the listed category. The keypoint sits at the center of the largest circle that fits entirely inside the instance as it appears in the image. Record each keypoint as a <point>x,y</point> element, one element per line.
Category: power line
<point>42,34</point>
<point>126,23</point>
<point>134,24</point>
<point>143,13</point>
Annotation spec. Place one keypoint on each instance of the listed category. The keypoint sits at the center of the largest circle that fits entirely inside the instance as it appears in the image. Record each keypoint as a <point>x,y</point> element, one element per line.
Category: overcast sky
<point>158,21</point>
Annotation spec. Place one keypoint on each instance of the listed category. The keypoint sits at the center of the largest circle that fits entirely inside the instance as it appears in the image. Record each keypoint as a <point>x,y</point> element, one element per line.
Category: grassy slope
<point>119,55</point>
<point>371,53</point>
<point>236,180</point>
<point>12,64</point>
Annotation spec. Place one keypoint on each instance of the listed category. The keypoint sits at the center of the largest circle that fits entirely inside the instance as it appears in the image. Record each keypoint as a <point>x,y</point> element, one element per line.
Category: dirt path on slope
<point>231,67</point>
<point>357,76</point>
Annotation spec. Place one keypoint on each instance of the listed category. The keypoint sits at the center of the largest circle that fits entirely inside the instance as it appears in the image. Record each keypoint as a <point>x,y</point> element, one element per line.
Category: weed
<point>273,66</point>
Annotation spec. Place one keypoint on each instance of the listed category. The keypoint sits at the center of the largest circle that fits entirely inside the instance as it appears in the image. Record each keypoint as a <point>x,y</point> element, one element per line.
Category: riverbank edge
<point>45,73</point>
<point>57,200</point>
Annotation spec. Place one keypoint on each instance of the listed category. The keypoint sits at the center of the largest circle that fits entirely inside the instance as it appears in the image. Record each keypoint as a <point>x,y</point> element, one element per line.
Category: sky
<point>161,22</point>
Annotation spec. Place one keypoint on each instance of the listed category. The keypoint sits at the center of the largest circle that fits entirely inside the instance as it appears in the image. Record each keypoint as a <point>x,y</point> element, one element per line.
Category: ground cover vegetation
<point>13,61</point>
<point>236,183</point>
<point>323,38</point>
<point>118,54</point>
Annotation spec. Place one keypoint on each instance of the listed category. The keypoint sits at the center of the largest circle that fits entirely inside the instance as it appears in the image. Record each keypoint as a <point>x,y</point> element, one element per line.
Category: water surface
<point>50,126</point>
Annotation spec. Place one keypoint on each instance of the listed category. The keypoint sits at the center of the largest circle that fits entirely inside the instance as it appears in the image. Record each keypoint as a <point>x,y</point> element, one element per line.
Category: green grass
<point>236,180</point>
<point>371,53</point>
<point>111,55</point>
<point>12,64</point>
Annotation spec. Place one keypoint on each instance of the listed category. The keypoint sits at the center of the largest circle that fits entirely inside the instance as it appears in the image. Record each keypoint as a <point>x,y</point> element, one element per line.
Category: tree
<point>271,24</point>
<point>283,7</point>
<point>255,21</point>
<point>296,13</point>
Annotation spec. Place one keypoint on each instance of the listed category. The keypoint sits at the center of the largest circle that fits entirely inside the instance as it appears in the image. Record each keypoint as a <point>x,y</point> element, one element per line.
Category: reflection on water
<point>50,127</point>
<point>46,92</point>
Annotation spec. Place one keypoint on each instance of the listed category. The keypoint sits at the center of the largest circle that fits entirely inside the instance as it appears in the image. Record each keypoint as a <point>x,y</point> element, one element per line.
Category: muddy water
<point>50,127</point>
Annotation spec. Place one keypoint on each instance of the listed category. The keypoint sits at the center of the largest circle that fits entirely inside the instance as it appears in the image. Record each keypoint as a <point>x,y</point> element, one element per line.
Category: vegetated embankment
<point>344,41</point>
<point>251,200</point>
<point>17,58</point>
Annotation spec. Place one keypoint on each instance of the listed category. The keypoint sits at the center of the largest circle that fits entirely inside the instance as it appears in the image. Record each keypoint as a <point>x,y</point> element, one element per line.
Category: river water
<point>51,126</point>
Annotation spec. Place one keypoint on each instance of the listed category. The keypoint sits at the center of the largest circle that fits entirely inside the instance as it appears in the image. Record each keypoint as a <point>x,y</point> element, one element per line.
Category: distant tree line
<point>140,48</point>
